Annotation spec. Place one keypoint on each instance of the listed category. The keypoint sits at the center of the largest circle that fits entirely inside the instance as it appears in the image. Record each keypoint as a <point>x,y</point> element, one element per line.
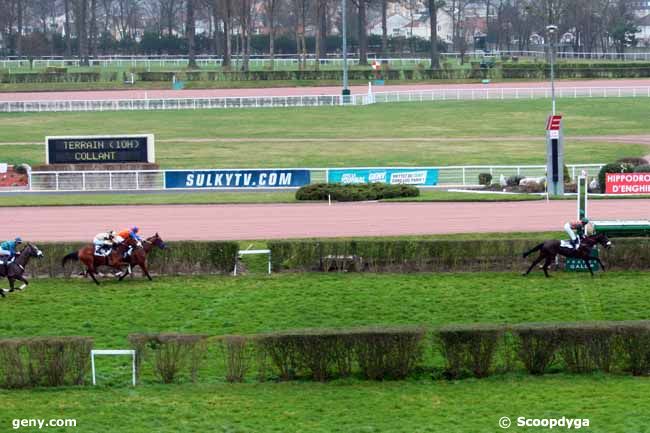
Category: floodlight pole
<point>551,31</point>
<point>344,21</point>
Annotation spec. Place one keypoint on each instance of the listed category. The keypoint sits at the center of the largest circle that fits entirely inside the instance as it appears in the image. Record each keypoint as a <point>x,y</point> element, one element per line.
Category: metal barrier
<point>143,180</point>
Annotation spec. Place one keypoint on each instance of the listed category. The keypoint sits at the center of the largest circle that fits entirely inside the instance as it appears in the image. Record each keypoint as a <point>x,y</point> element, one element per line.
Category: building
<point>417,24</point>
<point>643,35</point>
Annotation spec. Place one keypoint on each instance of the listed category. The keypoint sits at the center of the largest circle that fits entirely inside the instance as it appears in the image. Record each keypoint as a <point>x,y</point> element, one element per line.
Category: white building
<point>643,35</point>
<point>403,24</point>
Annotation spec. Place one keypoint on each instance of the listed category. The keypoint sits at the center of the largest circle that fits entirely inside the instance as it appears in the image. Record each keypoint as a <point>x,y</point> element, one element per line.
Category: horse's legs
<point>547,263</point>
<point>600,263</point>
<point>535,262</point>
<point>12,280</point>
<point>591,271</point>
<point>143,266</point>
<point>24,280</point>
<point>91,271</point>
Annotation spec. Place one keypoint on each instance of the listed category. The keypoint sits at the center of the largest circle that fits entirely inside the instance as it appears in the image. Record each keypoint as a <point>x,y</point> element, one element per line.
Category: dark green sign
<point>578,265</point>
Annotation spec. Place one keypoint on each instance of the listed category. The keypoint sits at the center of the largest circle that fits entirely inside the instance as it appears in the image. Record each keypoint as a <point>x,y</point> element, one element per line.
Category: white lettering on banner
<point>189,180</point>
<point>285,178</point>
<point>629,177</point>
<point>262,181</point>
<point>348,178</point>
<point>379,177</point>
<point>409,178</point>
<point>200,180</point>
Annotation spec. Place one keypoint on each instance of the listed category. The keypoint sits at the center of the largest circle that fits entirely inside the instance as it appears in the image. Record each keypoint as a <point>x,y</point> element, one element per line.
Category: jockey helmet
<point>584,220</point>
<point>18,240</point>
<point>135,229</point>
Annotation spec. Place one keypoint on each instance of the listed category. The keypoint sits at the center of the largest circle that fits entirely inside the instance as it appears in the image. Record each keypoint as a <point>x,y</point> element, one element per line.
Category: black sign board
<point>100,149</point>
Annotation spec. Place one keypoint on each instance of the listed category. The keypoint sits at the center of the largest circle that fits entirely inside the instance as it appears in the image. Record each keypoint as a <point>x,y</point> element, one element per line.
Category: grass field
<point>411,133</point>
<point>219,305</point>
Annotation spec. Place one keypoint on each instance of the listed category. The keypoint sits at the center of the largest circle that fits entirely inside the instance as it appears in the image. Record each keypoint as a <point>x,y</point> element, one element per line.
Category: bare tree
<point>245,18</point>
<point>384,27</point>
<point>300,12</point>
<point>270,7</point>
<point>80,8</point>
<point>363,30</point>
<point>226,17</point>
<point>190,30</point>
<point>433,6</point>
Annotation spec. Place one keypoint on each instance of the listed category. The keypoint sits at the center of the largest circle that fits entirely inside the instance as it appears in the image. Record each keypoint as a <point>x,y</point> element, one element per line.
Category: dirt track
<point>213,222</point>
<point>295,91</point>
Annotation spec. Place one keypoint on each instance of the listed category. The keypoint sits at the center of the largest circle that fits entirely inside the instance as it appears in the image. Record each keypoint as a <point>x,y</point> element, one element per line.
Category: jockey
<point>133,234</point>
<point>580,228</point>
<point>8,248</point>
<point>105,241</point>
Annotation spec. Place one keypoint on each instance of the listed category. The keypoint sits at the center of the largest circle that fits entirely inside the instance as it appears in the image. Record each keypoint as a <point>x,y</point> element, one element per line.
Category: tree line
<point>85,28</point>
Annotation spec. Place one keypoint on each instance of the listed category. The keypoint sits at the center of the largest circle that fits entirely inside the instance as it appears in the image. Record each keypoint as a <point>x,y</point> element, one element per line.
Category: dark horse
<point>14,271</point>
<point>548,250</point>
<point>138,256</point>
<point>115,259</point>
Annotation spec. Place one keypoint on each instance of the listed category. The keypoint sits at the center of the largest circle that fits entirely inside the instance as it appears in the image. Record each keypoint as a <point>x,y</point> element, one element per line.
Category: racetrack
<point>275,221</point>
<point>297,91</point>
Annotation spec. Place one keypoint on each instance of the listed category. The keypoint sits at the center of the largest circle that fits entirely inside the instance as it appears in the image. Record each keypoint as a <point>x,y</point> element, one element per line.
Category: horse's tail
<point>71,256</point>
<point>532,250</point>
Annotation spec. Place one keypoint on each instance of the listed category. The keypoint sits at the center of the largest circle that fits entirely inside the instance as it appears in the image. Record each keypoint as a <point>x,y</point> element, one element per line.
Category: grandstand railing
<point>476,94</point>
<point>149,180</point>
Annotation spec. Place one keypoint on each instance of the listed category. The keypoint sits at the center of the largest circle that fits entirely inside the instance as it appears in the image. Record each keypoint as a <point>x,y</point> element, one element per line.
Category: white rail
<point>149,180</point>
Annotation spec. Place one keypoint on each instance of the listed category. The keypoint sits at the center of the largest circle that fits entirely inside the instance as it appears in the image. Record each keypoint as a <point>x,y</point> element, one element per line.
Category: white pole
<point>92,366</point>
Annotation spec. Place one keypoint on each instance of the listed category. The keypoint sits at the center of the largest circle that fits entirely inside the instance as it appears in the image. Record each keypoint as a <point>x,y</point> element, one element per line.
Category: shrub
<point>611,168</point>
<point>514,180</point>
<point>634,343</point>
<point>172,353</point>
<point>484,179</point>
<point>355,192</point>
<point>238,354</point>
<point>388,353</point>
<point>633,161</point>
<point>469,349</point>
<point>537,346</point>
<point>586,347</point>
<point>642,168</point>
<point>44,361</point>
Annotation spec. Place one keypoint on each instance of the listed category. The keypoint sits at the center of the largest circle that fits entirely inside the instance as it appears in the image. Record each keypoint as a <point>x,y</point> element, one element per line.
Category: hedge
<point>44,361</point>
<point>187,257</point>
<point>355,192</point>
<point>432,255</point>
<point>373,353</point>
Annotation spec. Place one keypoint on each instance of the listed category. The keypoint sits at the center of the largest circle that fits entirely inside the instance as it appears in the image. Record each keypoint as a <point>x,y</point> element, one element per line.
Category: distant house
<point>403,24</point>
<point>643,35</point>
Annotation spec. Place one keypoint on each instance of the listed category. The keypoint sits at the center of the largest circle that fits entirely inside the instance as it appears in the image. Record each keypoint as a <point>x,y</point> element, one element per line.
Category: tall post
<point>344,22</point>
<point>553,72</point>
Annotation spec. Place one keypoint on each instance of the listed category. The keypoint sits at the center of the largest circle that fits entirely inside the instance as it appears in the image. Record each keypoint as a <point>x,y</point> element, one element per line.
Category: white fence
<point>148,180</point>
<point>293,60</point>
<point>485,93</point>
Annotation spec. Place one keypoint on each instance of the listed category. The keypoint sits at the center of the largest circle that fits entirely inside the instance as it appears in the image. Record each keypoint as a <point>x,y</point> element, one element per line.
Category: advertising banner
<point>627,183</point>
<point>100,149</point>
<point>193,179</point>
<point>398,176</point>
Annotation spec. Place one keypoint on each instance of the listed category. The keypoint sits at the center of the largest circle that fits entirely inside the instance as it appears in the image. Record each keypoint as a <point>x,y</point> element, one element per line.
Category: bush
<point>587,347</point>
<point>237,353</point>
<point>484,179</point>
<point>634,343</point>
<point>632,161</point>
<point>172,353</point>
<point>44,361</point>
<point>537,346</point>
<point>642,168</point>
<point>355,192</point>
<point>611,168</point>
<point>469,349</point>
<point>514,180</point>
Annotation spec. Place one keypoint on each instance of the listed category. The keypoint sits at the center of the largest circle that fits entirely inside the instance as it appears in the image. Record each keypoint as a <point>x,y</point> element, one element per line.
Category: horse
<point>548,250</point>
<point>138,256</point>
<point>14,270</point>
<point>115,259</point>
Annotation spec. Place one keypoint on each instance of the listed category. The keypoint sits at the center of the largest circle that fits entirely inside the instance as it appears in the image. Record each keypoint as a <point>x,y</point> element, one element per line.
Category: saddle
<point>569,245</point>
<point>103,251</point>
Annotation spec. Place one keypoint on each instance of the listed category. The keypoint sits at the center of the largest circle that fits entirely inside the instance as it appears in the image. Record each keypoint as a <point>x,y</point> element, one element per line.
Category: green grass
<point>220,305</point>
<point>612,404</point>
<point>347,136</point>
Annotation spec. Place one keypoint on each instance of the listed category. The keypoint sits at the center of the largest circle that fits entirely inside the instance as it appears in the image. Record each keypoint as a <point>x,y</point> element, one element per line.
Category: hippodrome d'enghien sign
<point>99,149</point>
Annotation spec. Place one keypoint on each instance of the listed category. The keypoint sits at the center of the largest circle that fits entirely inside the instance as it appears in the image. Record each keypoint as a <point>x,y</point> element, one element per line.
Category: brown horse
<point>548,250</point>
<point>115,259</point>
<point>15,270</point>
<point>138,256</point>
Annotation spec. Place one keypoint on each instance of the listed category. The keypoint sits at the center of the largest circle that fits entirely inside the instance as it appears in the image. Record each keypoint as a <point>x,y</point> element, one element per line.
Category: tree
<point>226,16</point>
<point>622,28</point>
<point>80,8</point>
<point>270,7</point>
<point>190,30</point>
<point>384,27</point>
<point>245,18</point>
<point>363,30</point>
<point>433,6</point>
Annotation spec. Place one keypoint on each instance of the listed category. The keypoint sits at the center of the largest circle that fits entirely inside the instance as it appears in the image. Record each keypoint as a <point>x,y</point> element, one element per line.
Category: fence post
<point>110,180</point>
<point>137,180</point>
<point>464,183</point>
<point>56,175</point>
<point>83,180</point>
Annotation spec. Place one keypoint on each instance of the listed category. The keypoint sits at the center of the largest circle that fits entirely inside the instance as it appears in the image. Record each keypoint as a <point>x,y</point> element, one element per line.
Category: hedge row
<point>188,257</point>
<point>49,77</point>
<point>389,353</point>
<point>432,255</point>
<point>44,361</point>
<point>356,192</point>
